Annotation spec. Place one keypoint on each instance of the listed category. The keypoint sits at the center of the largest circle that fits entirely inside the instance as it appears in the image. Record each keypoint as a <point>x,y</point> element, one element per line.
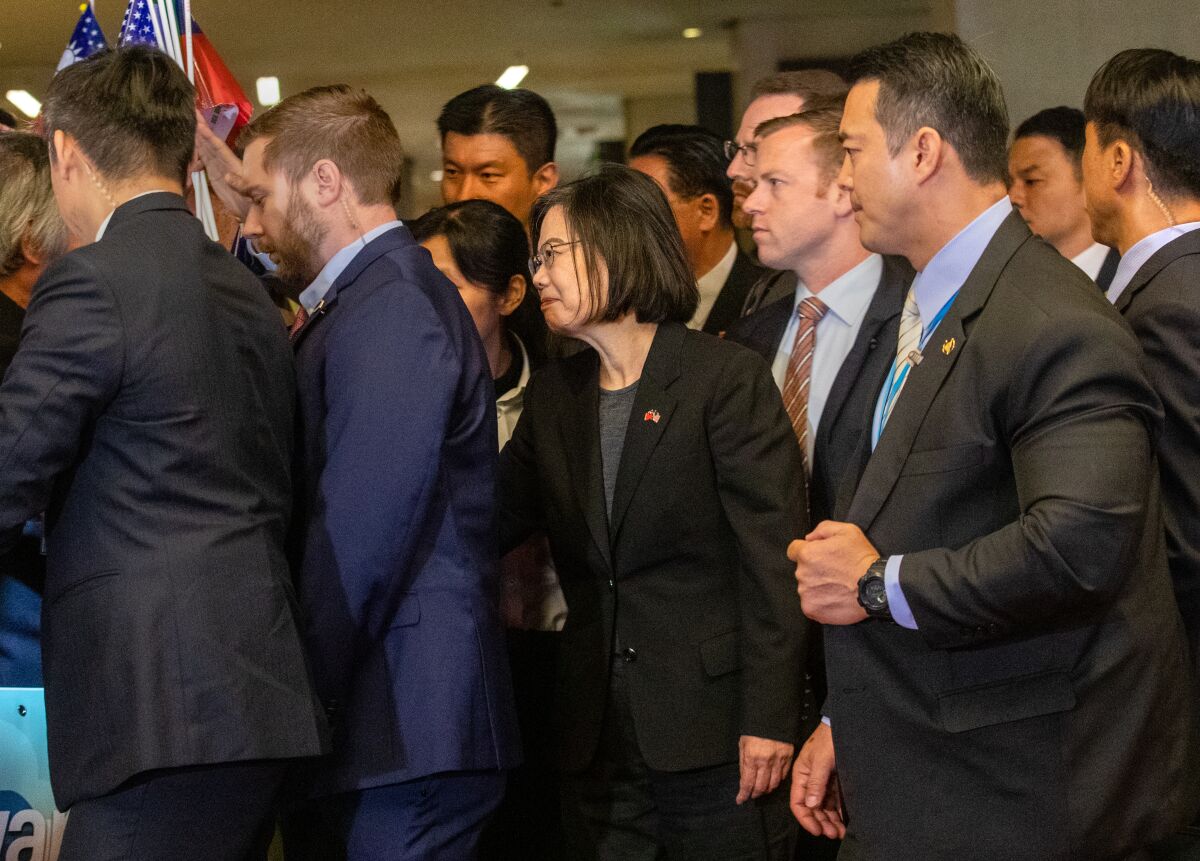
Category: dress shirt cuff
<point>902,614</point>
<point>825,720</point>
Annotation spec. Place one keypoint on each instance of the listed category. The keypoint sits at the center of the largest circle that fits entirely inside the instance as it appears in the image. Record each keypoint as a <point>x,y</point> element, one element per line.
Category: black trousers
<point>528,824</point>
<point>201,813</point>
<point>623,810</point>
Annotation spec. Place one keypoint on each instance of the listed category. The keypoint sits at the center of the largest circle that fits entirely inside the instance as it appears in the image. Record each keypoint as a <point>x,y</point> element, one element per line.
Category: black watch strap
<point>872,590</point>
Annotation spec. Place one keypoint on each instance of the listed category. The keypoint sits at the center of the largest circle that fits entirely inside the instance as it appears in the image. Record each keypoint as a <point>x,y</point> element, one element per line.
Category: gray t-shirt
<point>615,407</point>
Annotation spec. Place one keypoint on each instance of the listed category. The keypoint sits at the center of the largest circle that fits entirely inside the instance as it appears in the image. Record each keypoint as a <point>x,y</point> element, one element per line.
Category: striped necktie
<point>907,356</point>
<point>799,370</point>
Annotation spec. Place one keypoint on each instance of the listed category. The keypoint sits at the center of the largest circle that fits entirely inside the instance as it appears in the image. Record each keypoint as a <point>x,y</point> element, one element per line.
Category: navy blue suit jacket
<point>396,551</point>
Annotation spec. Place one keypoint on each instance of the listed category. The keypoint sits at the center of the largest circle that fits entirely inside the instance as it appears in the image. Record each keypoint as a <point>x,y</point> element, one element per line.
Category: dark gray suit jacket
<point>1043,709</point>
<point>1162,305</point>
<point>837,457</point>
<point>148,411</point>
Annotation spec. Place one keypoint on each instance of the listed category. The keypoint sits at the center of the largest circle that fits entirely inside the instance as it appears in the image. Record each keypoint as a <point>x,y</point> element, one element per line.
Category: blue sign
<point>31,828</point>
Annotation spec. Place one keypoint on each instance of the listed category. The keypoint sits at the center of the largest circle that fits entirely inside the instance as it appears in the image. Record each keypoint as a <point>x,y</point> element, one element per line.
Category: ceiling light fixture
<point>25,102</point>
<point>692,33</point>
<point>512,77</point>
<point>268,91</point>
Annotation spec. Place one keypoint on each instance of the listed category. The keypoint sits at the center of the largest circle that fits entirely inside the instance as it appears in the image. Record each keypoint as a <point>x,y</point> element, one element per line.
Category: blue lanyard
<point>900,374</point>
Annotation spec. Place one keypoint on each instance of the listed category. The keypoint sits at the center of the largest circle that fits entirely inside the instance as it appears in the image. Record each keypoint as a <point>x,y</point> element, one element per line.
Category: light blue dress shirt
<point>847,298</point>
<point>934,286</point>
<point>315,292</point>
<point>1135,258</point>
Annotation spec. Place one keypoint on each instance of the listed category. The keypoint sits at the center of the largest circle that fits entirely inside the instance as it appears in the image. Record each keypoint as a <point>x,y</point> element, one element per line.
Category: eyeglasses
<point>546,258</point>
<point>748,151</point>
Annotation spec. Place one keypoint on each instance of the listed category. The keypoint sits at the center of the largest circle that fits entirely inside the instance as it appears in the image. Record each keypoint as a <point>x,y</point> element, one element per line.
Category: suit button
<point>629,656</point>
<point>611,585</point>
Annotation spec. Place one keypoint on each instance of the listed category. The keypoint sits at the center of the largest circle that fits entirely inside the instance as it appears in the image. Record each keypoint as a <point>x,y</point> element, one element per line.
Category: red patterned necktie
<point>298,323</point>
<point>799,370</point>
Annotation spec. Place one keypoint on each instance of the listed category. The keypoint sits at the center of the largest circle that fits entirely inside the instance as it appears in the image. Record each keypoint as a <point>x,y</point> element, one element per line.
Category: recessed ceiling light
<point>268,91</point>
<point>25,102</point>
<point>512,77</point>
<point>692,33</point>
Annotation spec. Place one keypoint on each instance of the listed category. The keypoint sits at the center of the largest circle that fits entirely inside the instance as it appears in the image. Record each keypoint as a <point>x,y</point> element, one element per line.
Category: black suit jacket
<point>1162,305</point>
<point>22,569</point>
<point>691,573</point>
<point>1043,708</point>
<point>728,306</point>
<point>837,456</point>
<point>148,412</point>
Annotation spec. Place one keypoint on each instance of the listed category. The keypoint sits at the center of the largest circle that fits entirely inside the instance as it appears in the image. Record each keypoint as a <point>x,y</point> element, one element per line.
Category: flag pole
<point>187,29</point>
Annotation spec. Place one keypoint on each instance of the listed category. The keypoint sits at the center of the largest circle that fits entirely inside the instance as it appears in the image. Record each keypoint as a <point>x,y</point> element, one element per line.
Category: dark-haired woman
<point>484,251</point>
<point>662,467</point>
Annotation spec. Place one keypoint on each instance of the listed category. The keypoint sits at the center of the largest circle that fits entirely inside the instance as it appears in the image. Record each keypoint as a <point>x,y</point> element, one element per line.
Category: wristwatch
<point>872,590</point>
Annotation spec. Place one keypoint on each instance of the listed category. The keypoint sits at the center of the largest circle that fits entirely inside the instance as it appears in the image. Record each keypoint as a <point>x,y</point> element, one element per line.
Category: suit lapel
<point>392,240</point>
<point>1178,247</point>
<point>941,353</point>
<point>652,409</point>
<point>579,425</point>
<point>768,325</point>
<point>884,309</point>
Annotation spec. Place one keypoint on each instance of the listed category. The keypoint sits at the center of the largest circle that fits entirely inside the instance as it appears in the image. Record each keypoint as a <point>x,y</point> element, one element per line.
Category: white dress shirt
<point>108,218</point>
<point>710,284</point>
<point>1091,259</point>
<point>1137,256</point>
<point>847,298</point>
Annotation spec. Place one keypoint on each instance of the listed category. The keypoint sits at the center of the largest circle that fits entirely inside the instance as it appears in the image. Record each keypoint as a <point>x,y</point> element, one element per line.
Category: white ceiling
<point>590,58</point>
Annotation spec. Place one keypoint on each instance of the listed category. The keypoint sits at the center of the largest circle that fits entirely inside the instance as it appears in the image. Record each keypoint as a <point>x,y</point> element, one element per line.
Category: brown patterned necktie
<point>799,370</point>
<point>298,323</point>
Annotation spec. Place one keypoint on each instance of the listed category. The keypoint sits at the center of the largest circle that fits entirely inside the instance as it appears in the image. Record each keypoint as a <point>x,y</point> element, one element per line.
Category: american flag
<point>87,39</point>
<point>145,24</point>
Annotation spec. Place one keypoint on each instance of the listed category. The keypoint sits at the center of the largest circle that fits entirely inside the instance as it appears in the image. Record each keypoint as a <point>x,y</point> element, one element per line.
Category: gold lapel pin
<point>948,347</point>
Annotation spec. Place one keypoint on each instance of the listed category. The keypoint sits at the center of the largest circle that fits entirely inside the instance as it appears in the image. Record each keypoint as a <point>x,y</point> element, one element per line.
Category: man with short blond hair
<point>776,95</point>
<point>818,338</point>
<point>394,546</point>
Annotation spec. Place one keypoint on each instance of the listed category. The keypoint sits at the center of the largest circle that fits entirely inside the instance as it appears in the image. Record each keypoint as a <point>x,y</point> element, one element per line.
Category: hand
<point>829,562</point>
<point>816,796</point>
<point>224,169</point>
<point>763,764</point>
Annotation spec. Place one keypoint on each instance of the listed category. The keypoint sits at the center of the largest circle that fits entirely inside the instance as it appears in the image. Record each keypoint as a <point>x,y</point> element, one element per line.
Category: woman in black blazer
<point>662,467</point>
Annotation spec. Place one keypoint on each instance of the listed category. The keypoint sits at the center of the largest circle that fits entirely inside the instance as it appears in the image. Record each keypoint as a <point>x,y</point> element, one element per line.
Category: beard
<point>295,250</point>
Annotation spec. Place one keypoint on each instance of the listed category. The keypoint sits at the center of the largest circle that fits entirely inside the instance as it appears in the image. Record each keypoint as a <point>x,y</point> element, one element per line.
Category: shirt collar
<point>944,275</point>
<point>337,264</point>
<point>849,295</point>
<point>514,394</point>
<point>112,212</point>
<point>1091,259</point>
<point>1137,256</point>
<point>714,279</point>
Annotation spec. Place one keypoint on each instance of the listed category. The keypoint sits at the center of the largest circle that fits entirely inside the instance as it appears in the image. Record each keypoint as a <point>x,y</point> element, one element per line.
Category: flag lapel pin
<point>652,416</point>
